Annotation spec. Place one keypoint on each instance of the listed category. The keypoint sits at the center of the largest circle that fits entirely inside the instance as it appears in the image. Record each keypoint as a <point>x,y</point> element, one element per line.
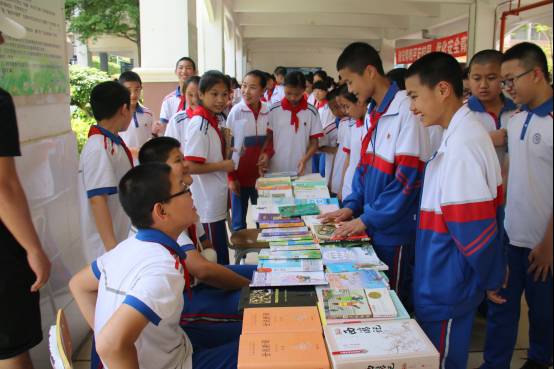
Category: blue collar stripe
<point>178,91</point>
<point>542,111</point>
<point>112,136</point>
<point>156,236</point>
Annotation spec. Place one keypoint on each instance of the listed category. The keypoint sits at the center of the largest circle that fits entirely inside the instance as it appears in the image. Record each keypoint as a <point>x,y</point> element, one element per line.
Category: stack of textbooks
<point>274,187</point>
<point>311,186</point>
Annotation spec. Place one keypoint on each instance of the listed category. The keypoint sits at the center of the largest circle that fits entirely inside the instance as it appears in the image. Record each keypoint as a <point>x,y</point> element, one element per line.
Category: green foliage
<point>80,124</point>
<point>81,81</point>
<point>93,18</point>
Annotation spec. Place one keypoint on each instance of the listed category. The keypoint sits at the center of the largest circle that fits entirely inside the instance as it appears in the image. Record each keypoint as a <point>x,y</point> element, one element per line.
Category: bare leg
<point>21,361</point>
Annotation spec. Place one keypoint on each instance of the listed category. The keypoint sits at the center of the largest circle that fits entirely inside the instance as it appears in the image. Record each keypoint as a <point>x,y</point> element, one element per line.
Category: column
<point>210,34</point>
<point>481,27</point>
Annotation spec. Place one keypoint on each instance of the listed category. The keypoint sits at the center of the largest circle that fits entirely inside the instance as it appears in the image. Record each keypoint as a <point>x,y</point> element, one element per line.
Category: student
<point>356,111</point>
<point>176,100</point>
<point>398,75</point>
<point>141,281</point>
<point>320,75</point>
<point>235,88</point>
<point>293,131</point>
<point>467,87</point>
<point>249,117</point>
<point>459,254</point>
<point>139,129</point>
<point>104,160</point>
<point>319,161</point>
<point>270,87</point>
<point>279,88</point>
<point>176,127</point>
<point>487,101</point>
<point>310,88</point>
<point>528,220</point>
<point>205,152</point>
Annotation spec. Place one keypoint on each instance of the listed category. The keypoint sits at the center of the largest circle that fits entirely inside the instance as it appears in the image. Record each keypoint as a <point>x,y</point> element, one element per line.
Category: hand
<point>40,265</point>
<point>339,196</point>
<point>336,216</point>
<point>499,137</point>
<point>301,168</point>
<point>495,297</point>
<point>227,166</point>
<point>234,186</point>
<point>540,260</point>
<point>157,128</point>
<point>352,228</point>
<point>263,163</point>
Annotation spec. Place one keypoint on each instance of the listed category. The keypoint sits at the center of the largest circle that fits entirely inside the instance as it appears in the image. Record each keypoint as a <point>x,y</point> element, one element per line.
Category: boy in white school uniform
<point>139,129</point>
<point>132,296</point>
<point>293,132</point>
<point>104,160</point>
<point>528,220</point>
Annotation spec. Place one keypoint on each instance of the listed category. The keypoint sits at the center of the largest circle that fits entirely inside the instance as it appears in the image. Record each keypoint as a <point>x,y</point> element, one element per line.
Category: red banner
<point>455,45</point>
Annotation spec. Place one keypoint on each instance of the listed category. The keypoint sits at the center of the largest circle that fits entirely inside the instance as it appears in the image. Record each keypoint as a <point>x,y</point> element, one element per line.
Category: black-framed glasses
<point>186,190</point>
<point>509,82</point>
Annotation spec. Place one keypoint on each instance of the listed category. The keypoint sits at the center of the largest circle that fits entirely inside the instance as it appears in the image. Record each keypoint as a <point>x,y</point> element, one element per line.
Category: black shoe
<point>530,364</point>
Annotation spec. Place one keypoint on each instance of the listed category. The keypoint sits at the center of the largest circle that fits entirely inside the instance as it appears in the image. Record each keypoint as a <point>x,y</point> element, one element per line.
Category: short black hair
<point>295,79</point>
<point>280,71</point>
<point>195,80</point>
<point>333,94</point>
<point>465,72</point>
<point>309,77</point>
<point>143,187</point>
<point>186,58</point>
<point>343,92</point>
<point>357,56</point>
<point>321,73</point>
<point>489,56</point>
<point>157,149</point>
<point>398,75</point>
<point>212,78</point>
<point>262,76</point>
<point>320,85</point>
<point>107,98</point>
<point>129,76</point>
<point>436,67</point>
<point>271,77</point>
<point>234,83</point>
<point>529,55</point>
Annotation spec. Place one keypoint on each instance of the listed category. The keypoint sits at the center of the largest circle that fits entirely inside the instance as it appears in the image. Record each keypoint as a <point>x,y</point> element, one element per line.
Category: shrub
<point>81,81</point>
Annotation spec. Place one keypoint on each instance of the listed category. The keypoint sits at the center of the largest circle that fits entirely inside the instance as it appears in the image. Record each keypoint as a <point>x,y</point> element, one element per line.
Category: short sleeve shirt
<point>140,128</point>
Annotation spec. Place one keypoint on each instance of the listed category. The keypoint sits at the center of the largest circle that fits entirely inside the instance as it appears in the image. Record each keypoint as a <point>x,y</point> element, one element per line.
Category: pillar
<point>481,26</point>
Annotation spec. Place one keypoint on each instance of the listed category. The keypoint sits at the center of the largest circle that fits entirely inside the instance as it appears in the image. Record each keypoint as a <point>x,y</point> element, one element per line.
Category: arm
<point>329,149</point>
<point>499,137</point>
<point>213,274</point>
<point>345,167</point>
<point>312,149</point>
<point>202,168</point>
<point>84,288</point>
<point>15,214</point>
<point>267,153</point>
<point>103,220</point>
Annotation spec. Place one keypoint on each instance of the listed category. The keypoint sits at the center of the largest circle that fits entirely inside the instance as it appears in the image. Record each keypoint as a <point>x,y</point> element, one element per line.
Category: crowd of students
<point>456,196</point>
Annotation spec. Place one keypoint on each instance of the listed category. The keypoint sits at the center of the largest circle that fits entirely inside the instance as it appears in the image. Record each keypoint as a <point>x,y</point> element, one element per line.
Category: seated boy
<point>132,296</point>
<point>459,254</point>
<point>104,160</point>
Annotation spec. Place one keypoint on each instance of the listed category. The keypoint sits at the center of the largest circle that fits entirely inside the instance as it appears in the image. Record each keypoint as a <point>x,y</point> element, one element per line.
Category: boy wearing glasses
<point>528,220</point>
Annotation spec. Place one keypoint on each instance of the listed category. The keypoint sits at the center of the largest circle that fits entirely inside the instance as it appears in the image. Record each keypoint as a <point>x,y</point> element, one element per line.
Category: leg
<point>221,357</point>
<point>315,162</point>
<point>217,233</point>
<point>503,319</point>
<point>451,338</point>
<point>207,336</point>
<point>21,361</point>
<point>210,305</point>
<point>238,210</point>
<point>400,260</point>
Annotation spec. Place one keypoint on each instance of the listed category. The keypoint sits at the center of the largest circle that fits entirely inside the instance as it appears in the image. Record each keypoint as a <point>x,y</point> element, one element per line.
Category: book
<point>318,192</point>
<point>280,225</point>
<point>287,265</point>
<point>304,350</point>
<point>346,304</point>
<point>280,174</point>
<point>268,183</point>
<point>291,242</point>
<point>298,210</point>
<point>276,218</point>
<point>285,232</point>
<point>277,193</point>
<point>324,233</point>
<point>277,297</point>
<point>312,246</point>
<point>385,344</point>
<point>325,205</point>
<point>352,267</point>
<point>356,280</point>
<point>364,256</point>
<point>277,279</point>
<point>307,237</point>
<point>380,303</point>
<point>281,320</point>
<point>298,254</point>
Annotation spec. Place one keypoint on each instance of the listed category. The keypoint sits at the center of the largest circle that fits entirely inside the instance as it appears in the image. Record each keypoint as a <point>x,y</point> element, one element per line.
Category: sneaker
<point>531,364</point>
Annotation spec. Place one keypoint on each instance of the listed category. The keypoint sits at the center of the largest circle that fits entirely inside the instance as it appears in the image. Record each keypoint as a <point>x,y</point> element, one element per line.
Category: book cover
<point>304,350</point>
<point>356,280</point>
<point>313,246</point>
<point>360,256</point>
<point>291,242</point>
<point>324,233</point>
<point>285,232</point>
<point>287,265</point>
<point>385,344</point>
<point>380,303</point>
<point>281,174</point>
<point>276,218</point>
<point>306,238</point>
<point>280,194</point>
<point>280,225</point>
<point>345,304</point>
<point>298,210</point>
<point>277,279</point>
<point>353,267</point>
<point>281,320</point>
<point>277,297</point>
<point>311,192</point>
<point>299,254</point>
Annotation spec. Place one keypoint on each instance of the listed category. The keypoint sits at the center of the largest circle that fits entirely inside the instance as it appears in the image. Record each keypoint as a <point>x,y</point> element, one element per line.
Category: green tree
<point>92,18</point>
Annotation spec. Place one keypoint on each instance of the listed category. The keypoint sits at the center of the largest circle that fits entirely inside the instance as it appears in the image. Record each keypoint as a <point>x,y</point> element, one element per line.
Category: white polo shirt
<point>353,147</point>
<point>278,94</point>
<point>311,99</point>
<point>140,129</point>
<point>209,190</point>
<point>176,127</point>
<point>290,145</point>
<point>102,164</point>
<point>242,115</point>
<point>529,200</point>
<point>435,138</point>
<point>141,273</point>
<point>170,105</point>
<point>330,137</point>
<point>343,134</point>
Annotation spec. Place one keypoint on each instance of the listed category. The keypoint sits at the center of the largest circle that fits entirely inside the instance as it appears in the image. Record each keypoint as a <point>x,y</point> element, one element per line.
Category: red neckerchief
<point>256,112</point>
<point>192,234</point>
<point>94,130</point>
<point>270,93</point>
<point>212,119</point>
<point>189,112</point>
<point>302,105</point>
<point>374,117</point>
<point>182,101</point>
<point>359,123</point>
<point>180,261</point>
<point>321,104</point>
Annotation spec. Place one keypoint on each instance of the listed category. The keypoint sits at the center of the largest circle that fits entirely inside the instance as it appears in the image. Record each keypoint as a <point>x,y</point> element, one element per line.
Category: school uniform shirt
<point>205,144</point>
<point>176,127</point>
<point>435,138</point>
<point>330,131</point>
<point>104,161</point>
<point>171,104</point>
<point>529,200</point>
<point>290,141</point>
<point>311,99</point>
<point>490,121</point>
<point>254,128</point>
<point>142,272</point>
<point>458,251</point>
<point>343,132</point>
<point>277,95</point>
<point>140,129</point>
<point>387,182</point>
<point>353,147</point>
<point>193,235</point>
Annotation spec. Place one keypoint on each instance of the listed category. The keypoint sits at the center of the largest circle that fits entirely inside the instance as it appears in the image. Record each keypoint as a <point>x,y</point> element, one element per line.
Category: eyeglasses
<point>509,82</point>
<point>186,190</point>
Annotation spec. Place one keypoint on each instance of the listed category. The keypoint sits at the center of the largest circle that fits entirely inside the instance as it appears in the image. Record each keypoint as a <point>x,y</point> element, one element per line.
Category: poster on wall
<point>455,45</point>
<point>36,65</point>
